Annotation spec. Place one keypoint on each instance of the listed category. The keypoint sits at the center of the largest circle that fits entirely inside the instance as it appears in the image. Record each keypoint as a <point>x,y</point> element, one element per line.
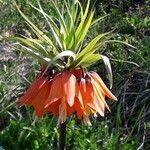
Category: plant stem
<point>62,138</point>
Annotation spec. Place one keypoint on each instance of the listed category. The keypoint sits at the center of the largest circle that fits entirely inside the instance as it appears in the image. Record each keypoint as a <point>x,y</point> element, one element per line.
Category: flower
<point>91,95</point>
<point>63,87</point>
<point>62,95</point>
<point>66,93</point>
<point>36,95</point>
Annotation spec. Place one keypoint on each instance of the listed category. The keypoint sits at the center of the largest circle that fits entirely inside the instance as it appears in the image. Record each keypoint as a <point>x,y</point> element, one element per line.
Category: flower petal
<point>99,105</point>
<point>78,94</point>
<point>62,112</point>
<point>70,110</point>
<point>69,85</point>
<point>100,95</point>
<point>82,88</point>
<point>78,108</point>
<point>33,90</point>
<point>56,92</point>
<point>39,101</point>
<point>89,92</point>
<point>107,92</point>
<point>54,107</point>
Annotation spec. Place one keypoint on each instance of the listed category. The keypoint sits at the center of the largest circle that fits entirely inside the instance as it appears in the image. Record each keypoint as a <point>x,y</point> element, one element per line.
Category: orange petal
<point>92,106</point>
<point>107,92</point>
<point>89,92</point>
<point>70,110</point>
<point>56,90</point>
<point>62,112</point>
<point>39,101</point>
<point>78,94</point>
<point>54,107</point>
<point>78,108</point>
<point>33,90</point>
<point>99,105</point>
<point>69,84</point>
<point>83,85</point>
<point>86,90</point>
<point>100,96</point>
<point>82,88</point>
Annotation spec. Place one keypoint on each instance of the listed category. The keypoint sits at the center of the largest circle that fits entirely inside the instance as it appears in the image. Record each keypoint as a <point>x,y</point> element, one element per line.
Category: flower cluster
<point>66,93</point>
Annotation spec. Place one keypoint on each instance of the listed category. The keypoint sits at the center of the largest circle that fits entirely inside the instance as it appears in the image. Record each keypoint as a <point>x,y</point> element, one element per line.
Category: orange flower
<point>63,93</point>
<point>34,89</point>
<point>36,95</point>
<point>93,92</point>
<point>66,93</point>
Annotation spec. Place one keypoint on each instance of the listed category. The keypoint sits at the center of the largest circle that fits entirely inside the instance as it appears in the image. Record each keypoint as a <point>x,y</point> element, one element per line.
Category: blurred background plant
<point>126,127</point>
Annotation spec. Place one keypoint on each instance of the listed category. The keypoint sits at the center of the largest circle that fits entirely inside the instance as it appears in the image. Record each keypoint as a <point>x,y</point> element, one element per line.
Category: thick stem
<point>62,138</point>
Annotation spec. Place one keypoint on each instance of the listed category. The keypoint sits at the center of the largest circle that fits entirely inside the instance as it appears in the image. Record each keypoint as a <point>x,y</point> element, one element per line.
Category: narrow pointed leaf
<point>30,52</point>
<point>61,55</point>
<point>90,46</point>
<point>108,68</point>
<point>51,27</point>
<point>85,29</point>
<point>99,19</point>
<point>83,18</point>
<point>37,31</point>
<point>117,41</point>
<point>90,60</point>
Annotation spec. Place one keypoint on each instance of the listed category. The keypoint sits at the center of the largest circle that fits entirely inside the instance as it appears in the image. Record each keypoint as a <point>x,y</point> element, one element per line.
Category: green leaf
<point>37,31</point>
<point>90,60</point>
<point>108,68</point>
<point>88,50</point>
<point>60,56</point>
<point>51,27</point>
<point>83,18</point>
<point>35,55</point>
<point>60,17</point>
<point>91,45</point>
<point>38,45</point>
<point>64,54</point>
<point>98,19</point>
<point>69,36</point>
<point>31,44</point>
<point>85,28</point>
<point>81,26</point>
<point>117,41</point>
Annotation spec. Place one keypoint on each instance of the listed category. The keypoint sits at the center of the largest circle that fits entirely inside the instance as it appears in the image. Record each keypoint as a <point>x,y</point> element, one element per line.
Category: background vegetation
<point>126,127</point>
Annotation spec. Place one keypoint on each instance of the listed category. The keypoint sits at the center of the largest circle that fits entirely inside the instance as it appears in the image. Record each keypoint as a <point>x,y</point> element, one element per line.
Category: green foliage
<point>23,134</point>
<point>45,135</point>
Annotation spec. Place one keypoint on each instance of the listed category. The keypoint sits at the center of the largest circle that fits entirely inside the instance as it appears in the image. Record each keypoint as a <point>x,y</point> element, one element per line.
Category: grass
<point>125,128</point>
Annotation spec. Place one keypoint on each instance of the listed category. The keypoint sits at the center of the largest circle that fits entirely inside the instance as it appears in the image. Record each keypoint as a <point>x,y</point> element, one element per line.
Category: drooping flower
<point>92,95</point>
<point>67,93</point>
<point>63,93</point>
<point>36,95</point>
